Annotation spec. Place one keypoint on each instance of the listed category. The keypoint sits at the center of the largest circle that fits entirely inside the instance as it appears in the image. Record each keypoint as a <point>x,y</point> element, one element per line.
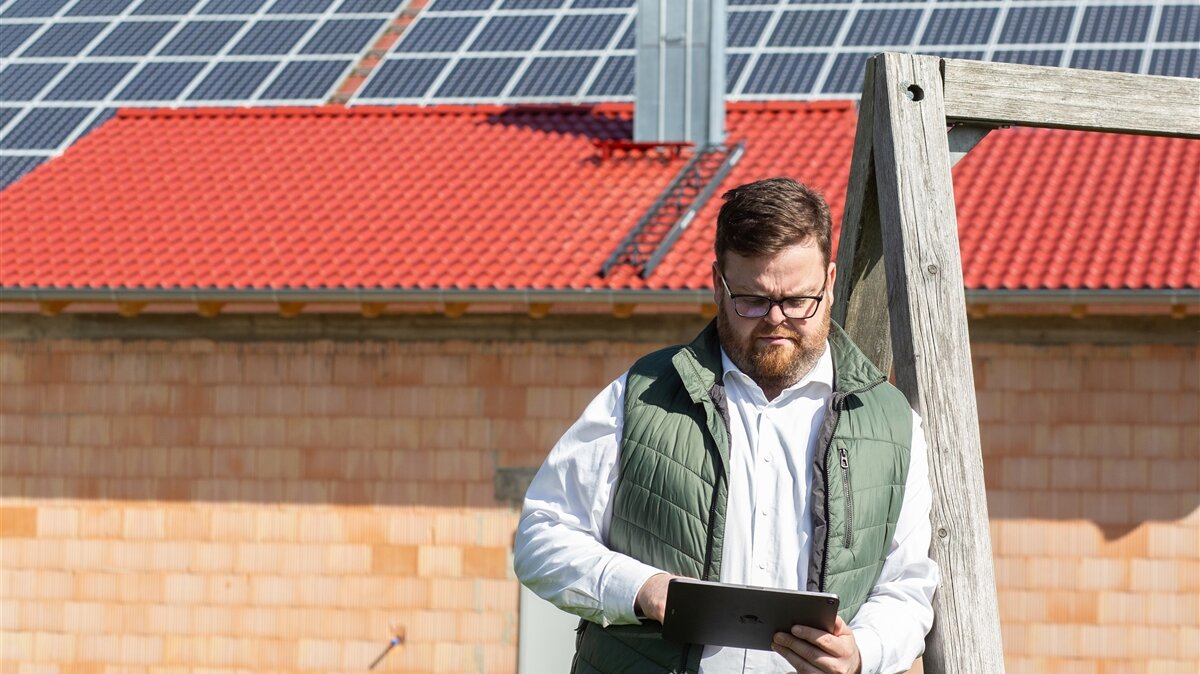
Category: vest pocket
<point>845,464</point>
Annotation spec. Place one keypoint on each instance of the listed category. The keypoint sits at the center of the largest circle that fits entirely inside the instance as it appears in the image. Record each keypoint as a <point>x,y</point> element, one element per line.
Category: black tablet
<point>720,614</point>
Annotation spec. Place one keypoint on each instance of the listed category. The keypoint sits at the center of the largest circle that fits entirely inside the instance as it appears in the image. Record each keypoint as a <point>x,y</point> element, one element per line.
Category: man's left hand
<point>812,651</point>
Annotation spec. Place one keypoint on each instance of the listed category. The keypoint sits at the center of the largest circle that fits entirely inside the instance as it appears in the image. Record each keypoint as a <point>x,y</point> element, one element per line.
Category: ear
<point>829,282</point>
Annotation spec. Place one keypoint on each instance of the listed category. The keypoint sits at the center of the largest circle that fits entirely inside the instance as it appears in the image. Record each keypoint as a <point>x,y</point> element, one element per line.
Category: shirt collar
<point>821,373</point>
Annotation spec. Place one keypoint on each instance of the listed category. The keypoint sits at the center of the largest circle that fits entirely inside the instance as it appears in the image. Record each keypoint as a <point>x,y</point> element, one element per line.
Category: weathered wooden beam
<point>933,355</point>
<point>209,309</point>
<point>539,309</point>
<point>623,309</point>
<point>373,309</point>
<point>1071,98</point>
<point>455,309</point>
<point>860,290</point>
<point>290,309</point>
<point>52,308</point>
<point>130,309</point>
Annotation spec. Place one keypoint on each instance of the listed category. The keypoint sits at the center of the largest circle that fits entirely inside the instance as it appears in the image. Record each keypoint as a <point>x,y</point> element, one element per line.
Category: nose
<point>775,315</point>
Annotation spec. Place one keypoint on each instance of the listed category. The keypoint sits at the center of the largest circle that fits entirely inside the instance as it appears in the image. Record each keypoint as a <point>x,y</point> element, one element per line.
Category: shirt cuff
<point>870,649</point>
<point>621,589</point>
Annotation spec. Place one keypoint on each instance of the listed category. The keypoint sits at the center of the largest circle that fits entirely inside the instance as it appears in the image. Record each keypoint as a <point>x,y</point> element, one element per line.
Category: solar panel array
<point>66,65</point>
<point>583,50</point>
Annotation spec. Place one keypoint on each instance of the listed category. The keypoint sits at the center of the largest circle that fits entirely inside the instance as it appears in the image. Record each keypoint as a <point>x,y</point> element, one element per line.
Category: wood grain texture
<point>1071,98</point>
<point>860,290</point>
<point>933,356</point>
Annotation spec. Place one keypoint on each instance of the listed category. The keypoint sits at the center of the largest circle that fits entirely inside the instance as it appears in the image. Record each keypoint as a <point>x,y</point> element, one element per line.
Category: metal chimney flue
<point>680,72</point>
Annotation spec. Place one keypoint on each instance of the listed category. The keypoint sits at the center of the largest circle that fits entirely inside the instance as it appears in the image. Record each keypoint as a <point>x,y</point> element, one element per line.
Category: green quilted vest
<point>669,503</point>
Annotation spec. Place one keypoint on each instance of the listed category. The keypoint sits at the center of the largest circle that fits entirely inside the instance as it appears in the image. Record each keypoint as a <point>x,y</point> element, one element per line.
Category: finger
<point>801,665</point>
<point>840,627</point>
<point>811,655</point>
<point>819,638</point>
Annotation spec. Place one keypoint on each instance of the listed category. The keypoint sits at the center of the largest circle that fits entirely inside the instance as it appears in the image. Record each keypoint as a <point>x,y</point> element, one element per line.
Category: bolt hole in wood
<point>915,93</point>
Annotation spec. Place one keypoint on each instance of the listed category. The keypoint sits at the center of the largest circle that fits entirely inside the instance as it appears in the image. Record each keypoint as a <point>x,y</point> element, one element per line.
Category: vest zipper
<point>849,496</point>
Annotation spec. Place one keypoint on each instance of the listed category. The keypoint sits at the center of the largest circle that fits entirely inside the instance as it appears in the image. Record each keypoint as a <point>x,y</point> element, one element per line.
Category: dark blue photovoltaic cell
<point>13,34</point>
<point>831,2</point>
<point>784,74</point>
<point>1034,25</point>
<point>44,128</point>
<point>271,37</point>
<point>343,36</point>
<point>29,9</point>
<point>734,65</point>
<point>554,76</point>
<point>511,33</point>
<point>1030,57</point>
<point>629,37</point>
<point>306,80</point>
<point>299,6</point>
<point>602,4</point>
<point>160,81</point>
<point>232,81</point>
<point>104,116</point>
<point>437,34</point>
<point>164,7</point>
<point>457,5</point>
<point>89,82</point>
<point>12,168</point>
<point>64,39</point>
<point>576,32</point>
<point>960,26</point>
<point>478,78</point>
<point>201,38</point>
<point>955,54</point>
<point>752,2</point>
<point>744,28</point>
<point>7,114</point>
<point>531,4</point>
<point>23,81</point>
<point>232,7</point>
<point>98,8</point>
<point>1115,24</point>
<point>132,38</point>
<point>368,6</point>
<point>883,27</point>
<point>1175,62</point>
<point>846,75</point>
<point>1114,60</point>
<point>403,78</point>
<point>1179,23</point>
<point>807,29</point>
<point>614,79</point>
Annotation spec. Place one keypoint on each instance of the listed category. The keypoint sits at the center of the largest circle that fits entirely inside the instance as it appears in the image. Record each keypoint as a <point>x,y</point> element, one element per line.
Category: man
<point>767,452</point>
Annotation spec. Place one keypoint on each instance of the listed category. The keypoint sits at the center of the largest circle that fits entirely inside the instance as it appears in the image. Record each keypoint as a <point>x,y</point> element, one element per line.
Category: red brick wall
<point>190,505</point>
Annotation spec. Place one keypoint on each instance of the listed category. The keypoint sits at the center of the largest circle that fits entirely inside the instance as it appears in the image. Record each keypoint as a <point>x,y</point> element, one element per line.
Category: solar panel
<point>299,6</point>
<point>164,7</point>
<point>161,81</point>
<point>101,118</point>
<point>629,38</point>
<point>580,32</point>
<point>614,79</point>
<point>238,7</point>
<point>1030,57</point>
<point>29,9</point>
<point>478,78</point>
<point>437,34</point>
<point>368,6</point>
<point>343,36</point>
<point>458,5</point>
<point>44,128</point>
<point>271,37</point>
<point>89,82</point>
<point>407,78</point>
<point>202,38</point>
<point>232,80</point>
<point>846,75</point>
<point>23,81</point>
<point>64,39</point>
<point>816,28</point>
<point>745,28</point>
<point>734,65</point>
<point>559,76</point>
<point>602,4</point>
<point>13,35</point>
<point>784,73</point>
<point>1033,25</point>
<point>306,79</point>
<point>883,27</point>
<point>1115,24</point>
<point>531,4</point>
<point>1180,23</point>
<point>13,167</point>
<point>98,8</point>
<point>8,114</point>
<point>971,25</point>
<point>1175,62</point>
<point>511,33</point>
<point>135,38</point>
<point>1115,60</point>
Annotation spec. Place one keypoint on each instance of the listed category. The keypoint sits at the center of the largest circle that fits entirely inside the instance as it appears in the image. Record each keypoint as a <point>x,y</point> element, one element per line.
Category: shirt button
<point>763,513</point>
<point>762,565</point>
<point>767,458</point>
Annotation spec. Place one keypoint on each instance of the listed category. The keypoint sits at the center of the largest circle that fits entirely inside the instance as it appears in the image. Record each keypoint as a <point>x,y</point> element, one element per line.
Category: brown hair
<point>764,217</point>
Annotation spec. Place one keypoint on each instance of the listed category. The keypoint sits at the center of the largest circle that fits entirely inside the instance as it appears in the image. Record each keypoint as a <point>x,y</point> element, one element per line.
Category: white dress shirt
<point>560,551</point>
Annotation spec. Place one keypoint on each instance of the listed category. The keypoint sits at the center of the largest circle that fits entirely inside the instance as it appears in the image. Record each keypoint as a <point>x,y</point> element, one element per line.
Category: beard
<point>775,367</point>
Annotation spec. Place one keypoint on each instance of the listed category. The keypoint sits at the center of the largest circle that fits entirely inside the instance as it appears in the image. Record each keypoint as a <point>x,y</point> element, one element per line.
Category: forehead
<point>794,270</point>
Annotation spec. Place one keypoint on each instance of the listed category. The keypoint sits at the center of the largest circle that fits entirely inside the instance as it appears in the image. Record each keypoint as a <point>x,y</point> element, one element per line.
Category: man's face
<point>775,351</point>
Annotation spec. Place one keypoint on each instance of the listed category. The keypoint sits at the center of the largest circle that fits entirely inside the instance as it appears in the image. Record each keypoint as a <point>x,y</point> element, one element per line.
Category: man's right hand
<point>652,598</point>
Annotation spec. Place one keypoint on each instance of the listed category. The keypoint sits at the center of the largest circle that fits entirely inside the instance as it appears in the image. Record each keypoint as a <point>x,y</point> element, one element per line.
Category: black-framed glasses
<point>801,307</point>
